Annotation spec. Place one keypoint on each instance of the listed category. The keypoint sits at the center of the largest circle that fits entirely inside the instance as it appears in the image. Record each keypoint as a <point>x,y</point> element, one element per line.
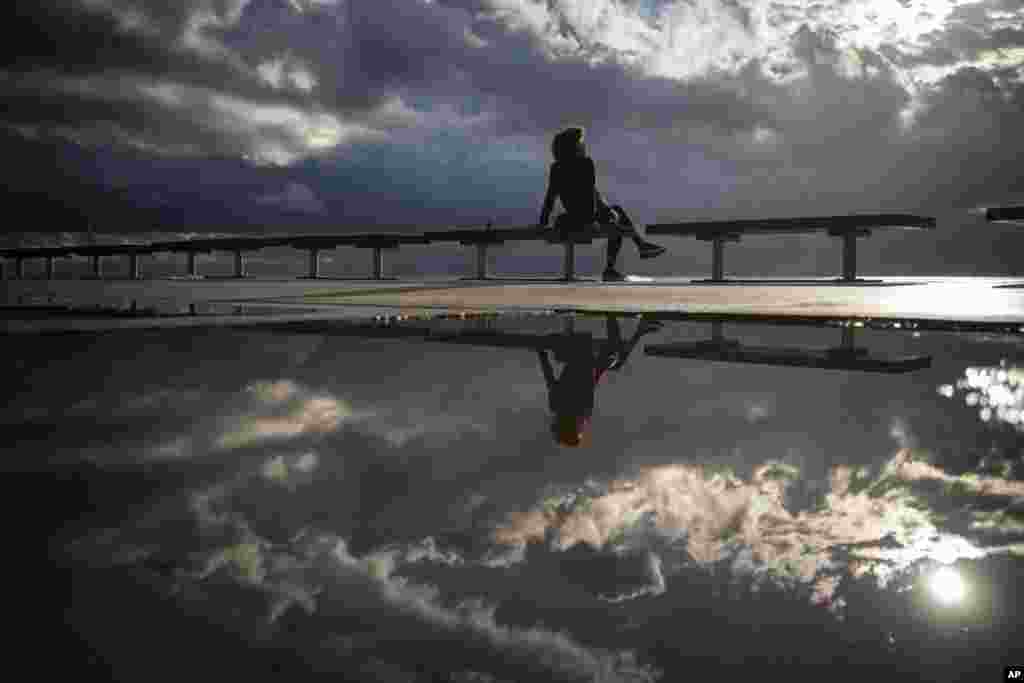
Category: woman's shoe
<point>612,275</point>
<point>648,326</point>
<point>650,250</point>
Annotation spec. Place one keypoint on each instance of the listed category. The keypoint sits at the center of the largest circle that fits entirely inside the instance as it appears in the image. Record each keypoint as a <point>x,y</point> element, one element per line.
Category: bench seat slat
<point>835,224</point>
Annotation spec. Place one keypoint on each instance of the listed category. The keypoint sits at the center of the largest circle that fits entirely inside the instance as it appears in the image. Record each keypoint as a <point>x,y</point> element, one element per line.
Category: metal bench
<point>849,228</point>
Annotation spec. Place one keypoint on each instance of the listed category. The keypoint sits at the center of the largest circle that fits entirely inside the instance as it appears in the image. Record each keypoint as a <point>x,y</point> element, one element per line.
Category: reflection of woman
<point>571,395</point>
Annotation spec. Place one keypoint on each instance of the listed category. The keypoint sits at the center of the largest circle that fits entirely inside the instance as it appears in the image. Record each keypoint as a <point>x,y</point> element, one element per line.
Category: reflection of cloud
<point>292,412</point>
<point>997,392</point>
<point>881,524</point>
<point>290,470</point>
<point>451,426</point>
<point>317,573</point>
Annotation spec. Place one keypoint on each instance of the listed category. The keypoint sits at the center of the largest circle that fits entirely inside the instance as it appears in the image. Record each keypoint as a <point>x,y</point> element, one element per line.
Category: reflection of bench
<point>849,228</point>
<point>1005,214</point>
<point>480,335</point>
<point>846,356</point>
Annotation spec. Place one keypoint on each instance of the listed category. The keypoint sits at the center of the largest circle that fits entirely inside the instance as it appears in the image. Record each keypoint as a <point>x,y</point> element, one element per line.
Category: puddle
<point>528,497</point>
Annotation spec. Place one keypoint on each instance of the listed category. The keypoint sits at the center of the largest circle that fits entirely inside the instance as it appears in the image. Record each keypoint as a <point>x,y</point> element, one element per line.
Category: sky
<point>314,115</point>
<point>394,505</point>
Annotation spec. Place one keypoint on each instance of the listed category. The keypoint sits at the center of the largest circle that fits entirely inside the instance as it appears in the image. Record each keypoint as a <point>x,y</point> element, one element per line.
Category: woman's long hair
<point>571,430</point>
<point>567,143</point>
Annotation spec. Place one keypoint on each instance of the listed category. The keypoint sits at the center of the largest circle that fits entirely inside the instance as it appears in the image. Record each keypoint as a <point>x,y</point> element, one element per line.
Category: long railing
<point>240,246</point>
<point>846,227</point>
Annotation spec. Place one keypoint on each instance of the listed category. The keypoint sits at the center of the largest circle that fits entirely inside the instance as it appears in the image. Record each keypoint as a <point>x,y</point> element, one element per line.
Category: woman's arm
<point>545,365</point>
<point>549,199</point>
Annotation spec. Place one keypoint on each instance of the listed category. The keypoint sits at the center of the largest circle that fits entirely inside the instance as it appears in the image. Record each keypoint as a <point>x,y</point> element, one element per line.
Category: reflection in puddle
<point>997,392</point>
<point>396,501</point>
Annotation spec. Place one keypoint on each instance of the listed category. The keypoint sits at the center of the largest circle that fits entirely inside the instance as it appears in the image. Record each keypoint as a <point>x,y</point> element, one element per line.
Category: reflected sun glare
<point>947,586</point>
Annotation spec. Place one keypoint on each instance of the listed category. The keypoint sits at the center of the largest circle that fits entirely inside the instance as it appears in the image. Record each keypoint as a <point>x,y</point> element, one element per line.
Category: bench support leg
<point>97,267</point>
<point>849,257</point>
<point>378,263</point>
<point>134,272</point>
<point>239,264</point>
<point>314,264</point>
<point>481,261</point>
<point>49,267</point>
<point>19,268</point>
<point>193,269</point>
<point>569,263</point>
<point>718,259</point>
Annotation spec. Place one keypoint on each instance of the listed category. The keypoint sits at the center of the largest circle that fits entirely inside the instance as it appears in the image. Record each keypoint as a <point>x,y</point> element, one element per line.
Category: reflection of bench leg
<point>481,261</point>
<point>314,263</point>
<point>850,257</point>
<point>239,264</point>
<point>97,267</point>
<point>49,267</point>
<point>19,268</point>
<point>717,333</point>
<point>847,339</point>
<point>378,263</point>
<point>134,272</point>
<point>718,259</point>
<point>569,262</point>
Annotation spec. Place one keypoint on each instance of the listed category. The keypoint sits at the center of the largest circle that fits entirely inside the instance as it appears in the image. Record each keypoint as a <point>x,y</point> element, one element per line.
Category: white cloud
<point>295,197</point>
<point>282,72</point>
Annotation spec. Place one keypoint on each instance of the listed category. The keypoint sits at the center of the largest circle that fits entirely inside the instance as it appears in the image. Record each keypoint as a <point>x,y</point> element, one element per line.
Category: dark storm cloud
<point>78,67</point>
<point>401,113</point>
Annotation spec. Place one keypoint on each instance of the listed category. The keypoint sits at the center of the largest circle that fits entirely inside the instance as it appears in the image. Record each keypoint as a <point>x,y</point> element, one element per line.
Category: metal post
<point>569,264</point>
<point>717,259</point>
<point>134,272</point>
<point>481,261</point>
<point>378,263</point>
<point>19,268</point>
<point>849,256</point>
<point>239,263</point>
<point>193,270</point>
<point>49,267</point>
<point>97,266</point>
<point>314,263</point>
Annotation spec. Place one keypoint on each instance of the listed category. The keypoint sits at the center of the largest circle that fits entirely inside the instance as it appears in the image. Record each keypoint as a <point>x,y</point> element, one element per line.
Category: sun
<point>947,586</point>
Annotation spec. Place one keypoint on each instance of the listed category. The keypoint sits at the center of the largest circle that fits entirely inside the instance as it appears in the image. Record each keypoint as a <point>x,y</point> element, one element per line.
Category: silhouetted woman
<point>571,394</point>
<point>573,180</point>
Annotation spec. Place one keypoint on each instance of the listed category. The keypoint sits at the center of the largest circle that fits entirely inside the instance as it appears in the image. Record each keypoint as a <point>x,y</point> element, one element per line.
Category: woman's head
<point>570,430</point>
<point>568,143</point>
